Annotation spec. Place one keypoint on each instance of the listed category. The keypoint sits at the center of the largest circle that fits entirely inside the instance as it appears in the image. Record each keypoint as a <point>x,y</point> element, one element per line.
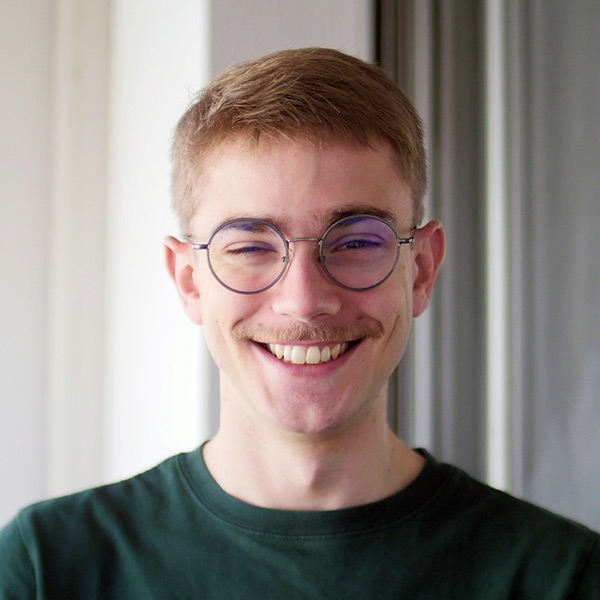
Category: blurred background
<point>101,374</point>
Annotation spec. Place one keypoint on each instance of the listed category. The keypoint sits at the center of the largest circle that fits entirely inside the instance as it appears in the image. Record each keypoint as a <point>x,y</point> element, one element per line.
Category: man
<point>298,180</point>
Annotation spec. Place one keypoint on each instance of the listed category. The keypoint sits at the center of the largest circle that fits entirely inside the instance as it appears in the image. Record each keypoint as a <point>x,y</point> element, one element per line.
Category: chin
<point>312,417</point>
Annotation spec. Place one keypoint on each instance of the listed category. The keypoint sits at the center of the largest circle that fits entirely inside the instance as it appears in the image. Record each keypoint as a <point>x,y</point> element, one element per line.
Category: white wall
<point>100,369</point>
<point>74,316</point>
<point>119,351</point>
<point>158,58</point>
<point>243,30</point>
<point>24,198</point>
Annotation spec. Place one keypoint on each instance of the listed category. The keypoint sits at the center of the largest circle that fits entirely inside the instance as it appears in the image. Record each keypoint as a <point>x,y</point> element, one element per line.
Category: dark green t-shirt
<point>172,533</point>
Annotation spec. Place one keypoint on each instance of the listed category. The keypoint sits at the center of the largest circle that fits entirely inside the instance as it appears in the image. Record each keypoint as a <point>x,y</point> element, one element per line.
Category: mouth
<point>309,355</point>
<point>317,344</point>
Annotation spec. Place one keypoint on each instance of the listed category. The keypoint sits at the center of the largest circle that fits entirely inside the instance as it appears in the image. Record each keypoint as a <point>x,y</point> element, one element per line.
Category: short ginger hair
<point>314,95</point>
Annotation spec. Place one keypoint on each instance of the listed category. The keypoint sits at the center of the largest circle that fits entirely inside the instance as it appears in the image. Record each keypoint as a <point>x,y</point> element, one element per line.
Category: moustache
<point>303,332</point>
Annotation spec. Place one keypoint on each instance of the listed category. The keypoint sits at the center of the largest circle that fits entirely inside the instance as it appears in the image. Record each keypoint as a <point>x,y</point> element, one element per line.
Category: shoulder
<point>17,574</point>
<point>484,501</point>
<point>490,524</point>
<point>98,513</point>
<point>150,486</point>
<point>468,499</point>
<point>83,533</point>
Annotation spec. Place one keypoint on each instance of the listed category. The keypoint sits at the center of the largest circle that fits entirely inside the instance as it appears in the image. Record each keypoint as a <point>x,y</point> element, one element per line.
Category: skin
<point>306,437</point>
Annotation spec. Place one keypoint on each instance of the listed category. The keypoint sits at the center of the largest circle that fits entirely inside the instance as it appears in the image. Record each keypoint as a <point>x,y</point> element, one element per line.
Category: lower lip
<point>320,370</point>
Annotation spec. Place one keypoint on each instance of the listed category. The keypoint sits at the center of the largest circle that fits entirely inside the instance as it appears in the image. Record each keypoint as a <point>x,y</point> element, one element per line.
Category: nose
<point>305,292</point>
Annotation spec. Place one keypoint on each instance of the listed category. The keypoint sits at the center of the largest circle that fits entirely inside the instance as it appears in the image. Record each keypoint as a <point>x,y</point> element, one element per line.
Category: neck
<point>296,472</point>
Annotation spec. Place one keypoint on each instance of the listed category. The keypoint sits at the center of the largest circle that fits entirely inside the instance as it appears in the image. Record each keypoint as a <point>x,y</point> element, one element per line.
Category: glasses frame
<point>286,261</point>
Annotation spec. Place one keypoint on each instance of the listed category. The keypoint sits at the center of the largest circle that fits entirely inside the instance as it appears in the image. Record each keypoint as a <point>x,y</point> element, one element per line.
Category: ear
<point>180,266</point>
<point>429,247</point>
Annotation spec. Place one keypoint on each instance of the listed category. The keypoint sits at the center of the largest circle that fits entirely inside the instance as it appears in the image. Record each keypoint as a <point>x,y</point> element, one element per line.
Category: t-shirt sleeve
<point>17,576</point>
<point>588,587</point>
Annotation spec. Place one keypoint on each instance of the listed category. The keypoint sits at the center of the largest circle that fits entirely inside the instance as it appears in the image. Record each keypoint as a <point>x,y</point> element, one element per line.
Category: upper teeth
<point>301,355</point>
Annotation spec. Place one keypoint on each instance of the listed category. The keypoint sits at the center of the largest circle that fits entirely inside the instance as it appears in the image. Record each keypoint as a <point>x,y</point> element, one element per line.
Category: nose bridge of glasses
<point>305,239</point>
<point>310,262</point>
<point>315,254</point>
<point>318,241</point>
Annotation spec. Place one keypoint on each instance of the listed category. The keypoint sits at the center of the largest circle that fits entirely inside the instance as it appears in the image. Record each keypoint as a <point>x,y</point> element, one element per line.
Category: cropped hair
<point>314,95</point>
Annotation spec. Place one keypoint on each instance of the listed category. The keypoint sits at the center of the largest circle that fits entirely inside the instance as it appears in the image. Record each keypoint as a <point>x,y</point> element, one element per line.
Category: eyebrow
<point>247,224</point>
<point>325,218</point>
<point>353,210</point>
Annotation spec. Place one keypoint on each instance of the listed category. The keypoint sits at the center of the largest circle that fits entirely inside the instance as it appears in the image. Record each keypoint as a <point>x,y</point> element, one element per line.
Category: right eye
<point>250,252</point>
<point>248,248</point>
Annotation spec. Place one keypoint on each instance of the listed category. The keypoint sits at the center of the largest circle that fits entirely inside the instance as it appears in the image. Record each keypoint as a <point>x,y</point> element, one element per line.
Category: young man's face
<point>303,189</point>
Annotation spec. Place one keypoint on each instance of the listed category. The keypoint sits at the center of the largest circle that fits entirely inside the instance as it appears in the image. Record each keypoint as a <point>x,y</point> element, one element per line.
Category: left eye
<point>358,244</point>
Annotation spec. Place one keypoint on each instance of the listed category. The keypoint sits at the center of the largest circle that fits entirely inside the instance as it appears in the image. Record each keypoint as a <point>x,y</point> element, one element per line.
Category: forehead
<point>300,185</point>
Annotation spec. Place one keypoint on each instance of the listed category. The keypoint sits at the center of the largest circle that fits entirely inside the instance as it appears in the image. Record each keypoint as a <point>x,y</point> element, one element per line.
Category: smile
<point>303,355</point>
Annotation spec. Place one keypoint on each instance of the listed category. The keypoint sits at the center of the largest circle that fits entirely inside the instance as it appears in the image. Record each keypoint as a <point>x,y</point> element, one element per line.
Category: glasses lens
<point>247,255</point>
<point>360,252</point>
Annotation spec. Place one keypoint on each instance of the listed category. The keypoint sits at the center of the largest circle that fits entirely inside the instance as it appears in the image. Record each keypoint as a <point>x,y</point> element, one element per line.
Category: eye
<point>356,242</point>
<point>250,252</point>
<point>248,248</point>
<point>359,244</point>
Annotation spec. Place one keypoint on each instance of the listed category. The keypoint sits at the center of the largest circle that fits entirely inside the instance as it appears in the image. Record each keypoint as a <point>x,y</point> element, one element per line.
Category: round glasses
<point>248,256</point>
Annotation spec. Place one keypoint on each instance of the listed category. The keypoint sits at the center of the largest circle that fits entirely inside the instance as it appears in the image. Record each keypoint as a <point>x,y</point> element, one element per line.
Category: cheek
<point>217,336</point>
<point>401,297</point>
<point>393,307</point>
<point>393,300</point>
<point>222,310</point>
